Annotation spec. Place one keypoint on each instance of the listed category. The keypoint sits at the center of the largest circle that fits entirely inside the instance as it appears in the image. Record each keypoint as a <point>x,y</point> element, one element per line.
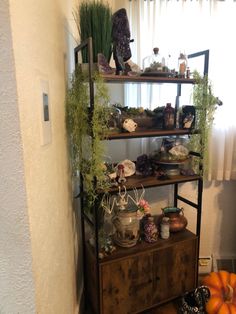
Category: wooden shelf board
<point>149,133</point>
<point>152,181</point>
<point>112,78</point>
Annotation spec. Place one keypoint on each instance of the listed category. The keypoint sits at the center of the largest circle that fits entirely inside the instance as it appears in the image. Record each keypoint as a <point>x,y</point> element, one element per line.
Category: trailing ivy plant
<point>86,129</point>
<point>205,104</point>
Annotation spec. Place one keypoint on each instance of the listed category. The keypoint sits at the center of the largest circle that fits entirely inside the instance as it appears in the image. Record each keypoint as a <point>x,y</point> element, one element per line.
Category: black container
<point>187,118</point>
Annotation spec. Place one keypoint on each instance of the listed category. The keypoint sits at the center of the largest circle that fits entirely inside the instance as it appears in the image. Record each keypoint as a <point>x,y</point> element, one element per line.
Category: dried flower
<point>144,207</point>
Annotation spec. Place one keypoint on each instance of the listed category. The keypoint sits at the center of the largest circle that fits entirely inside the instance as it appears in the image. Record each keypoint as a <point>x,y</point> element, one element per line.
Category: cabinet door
<point>127,285</point>
<point>174,270</point>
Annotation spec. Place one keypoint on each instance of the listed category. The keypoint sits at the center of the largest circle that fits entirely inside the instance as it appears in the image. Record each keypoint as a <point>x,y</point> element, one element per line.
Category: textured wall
<point>39,42</point>
<point>16,278</point>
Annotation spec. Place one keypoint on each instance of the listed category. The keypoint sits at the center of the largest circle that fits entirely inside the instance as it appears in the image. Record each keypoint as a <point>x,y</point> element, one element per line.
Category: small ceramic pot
<point>176,217</point>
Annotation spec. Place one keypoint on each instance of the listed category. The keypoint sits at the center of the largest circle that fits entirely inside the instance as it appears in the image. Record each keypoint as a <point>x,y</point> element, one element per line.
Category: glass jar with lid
<point>165,228</point>
<point>182,65</point>
<point>154,63</point>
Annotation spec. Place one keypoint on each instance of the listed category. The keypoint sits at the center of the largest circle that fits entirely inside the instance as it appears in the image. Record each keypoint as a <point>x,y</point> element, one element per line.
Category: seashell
<point>129,125</point>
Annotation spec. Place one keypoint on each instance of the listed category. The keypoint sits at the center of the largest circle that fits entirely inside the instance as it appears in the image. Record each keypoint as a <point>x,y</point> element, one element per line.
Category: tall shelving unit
<point>136,279</point>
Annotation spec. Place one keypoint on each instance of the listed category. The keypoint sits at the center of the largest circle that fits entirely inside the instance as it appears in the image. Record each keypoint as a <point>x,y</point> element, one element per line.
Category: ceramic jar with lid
<point>126,223</point>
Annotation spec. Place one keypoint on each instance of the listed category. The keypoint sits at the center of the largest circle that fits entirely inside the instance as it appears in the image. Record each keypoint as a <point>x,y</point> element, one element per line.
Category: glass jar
<point>169,117</point>
<point>154,62</point>
<point>165,228</point>
<point>150,230</point>
<point>182,65</point>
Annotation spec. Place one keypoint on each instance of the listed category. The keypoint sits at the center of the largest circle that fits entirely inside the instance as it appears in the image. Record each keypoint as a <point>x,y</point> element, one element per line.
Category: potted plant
<point>94,19</point>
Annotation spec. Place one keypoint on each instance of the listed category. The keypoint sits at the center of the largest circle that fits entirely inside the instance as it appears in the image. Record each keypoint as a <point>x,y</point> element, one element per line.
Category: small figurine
<point>129,167</point>
<point>123,200</point>
<point>121,173</point>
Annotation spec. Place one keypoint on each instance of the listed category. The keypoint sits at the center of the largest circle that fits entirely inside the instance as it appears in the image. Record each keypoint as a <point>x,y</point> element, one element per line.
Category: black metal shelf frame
<point>87,44</point>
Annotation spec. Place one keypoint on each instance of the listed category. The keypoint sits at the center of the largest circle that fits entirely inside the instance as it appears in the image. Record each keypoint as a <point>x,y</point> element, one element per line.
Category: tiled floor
<point>169,308</point>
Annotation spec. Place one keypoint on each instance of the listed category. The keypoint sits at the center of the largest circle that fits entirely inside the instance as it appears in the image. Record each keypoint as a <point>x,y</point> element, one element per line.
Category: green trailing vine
<point>205,104</point>
<point>86,130</point>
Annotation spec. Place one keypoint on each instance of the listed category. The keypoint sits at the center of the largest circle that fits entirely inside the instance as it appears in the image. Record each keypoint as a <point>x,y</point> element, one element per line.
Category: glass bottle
<point>182,65</point>
<point>165,228</point>
<point>154,63</point>
<point>169,117</point>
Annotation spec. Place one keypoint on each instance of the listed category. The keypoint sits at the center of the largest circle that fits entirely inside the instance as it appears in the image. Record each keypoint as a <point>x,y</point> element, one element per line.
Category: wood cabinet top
<point>142,247</point>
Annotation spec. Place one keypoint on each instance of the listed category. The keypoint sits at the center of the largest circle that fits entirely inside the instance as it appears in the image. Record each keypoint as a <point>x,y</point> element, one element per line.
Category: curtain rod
<point>179,0</point>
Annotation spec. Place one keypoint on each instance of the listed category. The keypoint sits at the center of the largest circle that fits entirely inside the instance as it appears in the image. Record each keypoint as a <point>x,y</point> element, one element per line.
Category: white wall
<point>39,30</point>
<point>17,293</point>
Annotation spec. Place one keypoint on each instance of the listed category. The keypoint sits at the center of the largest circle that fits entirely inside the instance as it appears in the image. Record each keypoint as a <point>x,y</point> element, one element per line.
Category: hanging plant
<point>86,129</point>
<point>205,104</point>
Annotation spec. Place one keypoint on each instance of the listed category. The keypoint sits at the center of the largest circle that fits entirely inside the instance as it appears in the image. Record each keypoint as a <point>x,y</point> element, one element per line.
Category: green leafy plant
<point>86,128</point>
<point>93,19</point>
<point>205,104</point>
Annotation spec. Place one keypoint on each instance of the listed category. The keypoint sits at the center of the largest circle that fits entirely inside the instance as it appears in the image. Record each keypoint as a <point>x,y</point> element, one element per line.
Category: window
<point>191,26</point>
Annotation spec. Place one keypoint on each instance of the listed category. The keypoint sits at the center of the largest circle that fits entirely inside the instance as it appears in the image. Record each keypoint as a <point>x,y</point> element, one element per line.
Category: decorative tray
<point>156,73</point>
<point>172,162</point>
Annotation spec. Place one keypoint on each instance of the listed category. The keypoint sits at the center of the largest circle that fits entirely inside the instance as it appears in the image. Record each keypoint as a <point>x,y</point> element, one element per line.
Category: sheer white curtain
<point>191,26</point>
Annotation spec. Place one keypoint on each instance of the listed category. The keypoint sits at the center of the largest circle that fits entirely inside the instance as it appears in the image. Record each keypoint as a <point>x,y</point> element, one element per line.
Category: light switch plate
<point>45,113</point>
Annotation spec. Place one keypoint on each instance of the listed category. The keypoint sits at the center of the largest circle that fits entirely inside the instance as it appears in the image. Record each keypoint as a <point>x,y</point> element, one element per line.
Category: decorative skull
<point>129,125</point>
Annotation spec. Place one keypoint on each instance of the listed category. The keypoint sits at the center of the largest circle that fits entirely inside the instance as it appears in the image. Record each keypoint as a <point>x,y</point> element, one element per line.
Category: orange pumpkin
<point>222,286</point>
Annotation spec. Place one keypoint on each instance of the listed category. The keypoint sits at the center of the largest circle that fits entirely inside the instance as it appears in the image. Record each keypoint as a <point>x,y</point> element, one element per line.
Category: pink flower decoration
<point>144,207</point>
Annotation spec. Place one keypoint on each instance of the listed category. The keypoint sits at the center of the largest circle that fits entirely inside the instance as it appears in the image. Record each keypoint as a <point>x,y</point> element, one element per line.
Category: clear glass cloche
<point>154,63</point>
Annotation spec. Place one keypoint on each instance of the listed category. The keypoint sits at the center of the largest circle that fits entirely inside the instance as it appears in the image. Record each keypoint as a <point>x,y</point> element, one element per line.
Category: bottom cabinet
<point>127,285</point>
<point>145,278</point>
<point>174,270</point>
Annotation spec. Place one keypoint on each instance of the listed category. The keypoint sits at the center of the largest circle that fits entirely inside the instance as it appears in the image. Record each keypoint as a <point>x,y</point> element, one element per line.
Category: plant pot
<point>177,220</point>
<point>85,67</point>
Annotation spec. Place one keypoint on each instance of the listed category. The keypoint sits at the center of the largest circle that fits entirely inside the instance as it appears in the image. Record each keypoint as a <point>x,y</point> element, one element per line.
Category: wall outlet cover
<point>205,264</point>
